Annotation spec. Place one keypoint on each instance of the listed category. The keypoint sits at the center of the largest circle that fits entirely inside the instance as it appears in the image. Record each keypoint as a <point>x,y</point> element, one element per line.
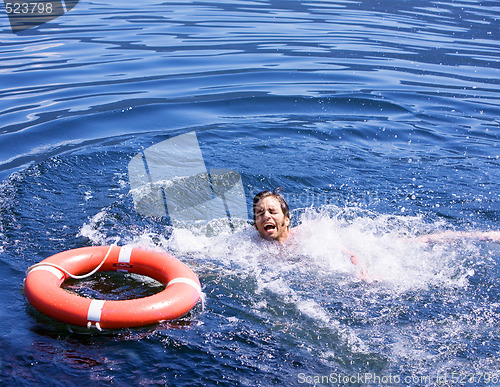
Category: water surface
<point>379,119</point>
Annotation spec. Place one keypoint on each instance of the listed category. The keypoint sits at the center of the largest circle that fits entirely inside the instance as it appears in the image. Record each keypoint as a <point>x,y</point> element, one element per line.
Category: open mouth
<point>269,227</point>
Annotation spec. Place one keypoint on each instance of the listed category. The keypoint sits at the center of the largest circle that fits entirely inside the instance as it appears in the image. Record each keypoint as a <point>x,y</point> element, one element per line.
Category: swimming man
<point>271,216</point>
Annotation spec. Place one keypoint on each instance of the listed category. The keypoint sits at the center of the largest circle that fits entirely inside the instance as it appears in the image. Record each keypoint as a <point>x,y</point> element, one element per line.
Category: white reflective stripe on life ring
<point>187,281</point>
<point>95,309</point>
<point>124,257</point>
<point>125,253</point>
<point>51,269</point>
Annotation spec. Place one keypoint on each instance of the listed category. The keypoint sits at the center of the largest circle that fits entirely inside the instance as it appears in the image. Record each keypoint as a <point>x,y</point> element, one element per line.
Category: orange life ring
<point>42,287</point>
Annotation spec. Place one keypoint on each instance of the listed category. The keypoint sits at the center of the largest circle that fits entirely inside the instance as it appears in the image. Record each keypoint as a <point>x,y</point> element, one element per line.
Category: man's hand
<point>361,271</point>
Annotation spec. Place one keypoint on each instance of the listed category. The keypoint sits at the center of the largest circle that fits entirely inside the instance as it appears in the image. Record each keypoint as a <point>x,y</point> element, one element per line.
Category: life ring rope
<point>83,276</point>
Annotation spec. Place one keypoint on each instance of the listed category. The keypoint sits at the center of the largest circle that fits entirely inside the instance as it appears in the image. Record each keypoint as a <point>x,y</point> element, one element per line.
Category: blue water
<point>379,119</point>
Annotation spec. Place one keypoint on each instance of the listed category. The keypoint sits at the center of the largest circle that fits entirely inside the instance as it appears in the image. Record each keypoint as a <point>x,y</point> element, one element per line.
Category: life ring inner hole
<point>110,285</point>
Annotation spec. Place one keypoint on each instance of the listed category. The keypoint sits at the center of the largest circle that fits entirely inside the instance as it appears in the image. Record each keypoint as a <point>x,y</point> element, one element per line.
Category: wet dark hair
<point>274,193</point>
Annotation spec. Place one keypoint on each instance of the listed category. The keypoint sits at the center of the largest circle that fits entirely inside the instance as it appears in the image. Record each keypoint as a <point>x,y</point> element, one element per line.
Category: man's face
<point>270,221</point>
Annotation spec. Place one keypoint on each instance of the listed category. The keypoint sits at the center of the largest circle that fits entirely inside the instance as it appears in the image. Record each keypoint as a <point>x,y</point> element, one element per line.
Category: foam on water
<point>384,244</point>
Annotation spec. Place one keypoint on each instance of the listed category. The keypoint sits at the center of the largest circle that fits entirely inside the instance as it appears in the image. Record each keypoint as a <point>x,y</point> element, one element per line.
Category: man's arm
<point>446,236</point>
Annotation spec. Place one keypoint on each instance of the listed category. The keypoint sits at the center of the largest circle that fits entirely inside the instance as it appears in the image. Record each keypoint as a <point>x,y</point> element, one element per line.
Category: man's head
<point>271,215</point>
